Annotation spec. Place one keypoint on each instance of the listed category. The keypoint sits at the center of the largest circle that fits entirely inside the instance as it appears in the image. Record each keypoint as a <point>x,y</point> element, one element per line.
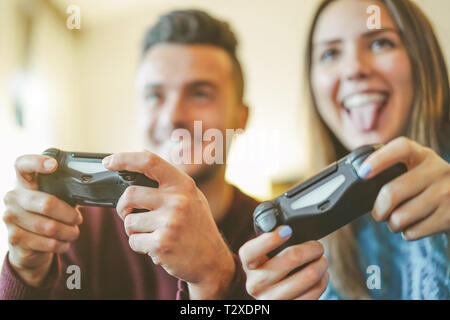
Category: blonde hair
<point>428,124</point>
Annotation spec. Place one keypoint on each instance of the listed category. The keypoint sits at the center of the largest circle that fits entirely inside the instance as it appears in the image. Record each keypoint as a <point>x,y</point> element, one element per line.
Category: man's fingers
<point>44,204</point>
<point>147,163</point>
<point>29,259</point>
<point>41,225</point>
<point>145,222</point>
<point>254,252</point>
<point>33,242</point>
<point>139,197</point>
<point>141,242</point>
<point>153,244</point>
<point>28,166</point>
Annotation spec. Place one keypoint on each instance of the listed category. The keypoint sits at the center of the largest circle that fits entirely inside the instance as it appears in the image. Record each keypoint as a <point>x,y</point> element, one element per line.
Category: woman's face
<point>361,78</point>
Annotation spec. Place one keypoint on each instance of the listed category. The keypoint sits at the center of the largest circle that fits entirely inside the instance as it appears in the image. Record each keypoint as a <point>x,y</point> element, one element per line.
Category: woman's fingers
<point>415,210</point>
<point>254,252</point>
<point>299,283</point>
<point>437,222</point>
<point>315,292</point>
<point>405,187</point>
<point>277,268</point>
<point>398,150</point>
<point>411,200</point>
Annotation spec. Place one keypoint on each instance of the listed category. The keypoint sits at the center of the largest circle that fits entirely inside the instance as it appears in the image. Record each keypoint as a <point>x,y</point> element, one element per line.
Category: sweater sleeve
<point>236,291</point>
<point>12,287</point>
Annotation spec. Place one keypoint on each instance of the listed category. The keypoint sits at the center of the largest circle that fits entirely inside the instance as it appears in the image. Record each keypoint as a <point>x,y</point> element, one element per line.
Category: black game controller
<point>81,179</point>
<point>326,202</point>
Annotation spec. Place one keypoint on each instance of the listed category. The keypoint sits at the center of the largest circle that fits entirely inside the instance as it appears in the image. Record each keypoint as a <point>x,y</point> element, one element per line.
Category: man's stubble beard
<point>206,174</point>
<point>201,176</point>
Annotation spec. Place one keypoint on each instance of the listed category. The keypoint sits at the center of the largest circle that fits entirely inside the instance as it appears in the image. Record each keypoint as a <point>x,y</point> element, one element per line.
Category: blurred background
<point>74,89</point>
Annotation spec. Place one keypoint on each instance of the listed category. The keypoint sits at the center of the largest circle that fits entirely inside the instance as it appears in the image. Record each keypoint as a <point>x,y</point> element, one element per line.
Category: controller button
<point>128,176</point>
<point>324,206</point>
<point>364,150</point>
<point>358,161</point>
<point>86,178</point>
<point>263,207</point>
<point>52,152</point>
<point>267,221</point>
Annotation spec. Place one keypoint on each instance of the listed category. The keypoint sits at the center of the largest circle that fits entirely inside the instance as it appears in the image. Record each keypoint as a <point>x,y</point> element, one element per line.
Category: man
<point>184,245</point>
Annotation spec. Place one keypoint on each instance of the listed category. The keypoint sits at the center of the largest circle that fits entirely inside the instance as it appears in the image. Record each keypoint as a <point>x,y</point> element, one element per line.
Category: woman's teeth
<point>364,99</point>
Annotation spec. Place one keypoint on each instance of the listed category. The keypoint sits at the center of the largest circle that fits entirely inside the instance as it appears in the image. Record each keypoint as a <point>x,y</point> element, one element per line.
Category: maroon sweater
<point>111,270</point>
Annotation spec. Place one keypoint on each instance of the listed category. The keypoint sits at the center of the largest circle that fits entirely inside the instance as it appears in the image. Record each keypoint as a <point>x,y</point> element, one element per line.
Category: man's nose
<point>356,64</point>
<point>174,111</point>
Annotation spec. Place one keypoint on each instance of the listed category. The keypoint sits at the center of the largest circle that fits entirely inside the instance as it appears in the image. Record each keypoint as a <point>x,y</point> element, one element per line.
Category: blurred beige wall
<point>81,94</point>
<point>38,68</point>
<point>78,89</point>
<point>272,36</point>
<point>269,51</point>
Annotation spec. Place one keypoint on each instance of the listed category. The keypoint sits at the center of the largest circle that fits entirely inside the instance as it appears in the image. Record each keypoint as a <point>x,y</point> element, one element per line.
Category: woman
<point>387,85</point>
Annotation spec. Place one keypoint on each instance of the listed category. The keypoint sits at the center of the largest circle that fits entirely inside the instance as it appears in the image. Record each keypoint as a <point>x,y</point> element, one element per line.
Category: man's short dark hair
<point>196,27</point>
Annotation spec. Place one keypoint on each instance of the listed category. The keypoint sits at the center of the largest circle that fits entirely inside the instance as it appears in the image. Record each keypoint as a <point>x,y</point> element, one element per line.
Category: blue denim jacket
<point>408,269</point>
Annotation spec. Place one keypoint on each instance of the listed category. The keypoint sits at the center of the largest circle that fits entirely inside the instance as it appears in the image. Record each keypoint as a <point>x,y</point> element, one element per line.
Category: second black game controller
<point>326,202</point>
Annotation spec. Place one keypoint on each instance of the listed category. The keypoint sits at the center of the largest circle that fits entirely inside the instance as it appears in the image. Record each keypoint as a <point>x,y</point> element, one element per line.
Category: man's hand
<point>39,225</point>
<point>178,232</point>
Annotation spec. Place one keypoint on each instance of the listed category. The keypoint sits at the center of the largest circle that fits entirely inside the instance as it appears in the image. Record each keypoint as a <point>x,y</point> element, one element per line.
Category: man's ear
<point>242,117</point>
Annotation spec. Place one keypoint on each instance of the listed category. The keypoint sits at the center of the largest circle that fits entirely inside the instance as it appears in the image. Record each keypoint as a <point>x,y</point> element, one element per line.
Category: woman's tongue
<point>364,110</point>
<point>365,118</point>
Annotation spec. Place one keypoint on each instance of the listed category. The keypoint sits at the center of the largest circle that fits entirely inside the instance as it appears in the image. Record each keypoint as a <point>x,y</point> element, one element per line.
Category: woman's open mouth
<point>364,109</point>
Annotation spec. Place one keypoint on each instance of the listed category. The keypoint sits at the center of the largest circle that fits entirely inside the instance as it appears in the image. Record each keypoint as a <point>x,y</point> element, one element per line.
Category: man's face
<point>180,84</point>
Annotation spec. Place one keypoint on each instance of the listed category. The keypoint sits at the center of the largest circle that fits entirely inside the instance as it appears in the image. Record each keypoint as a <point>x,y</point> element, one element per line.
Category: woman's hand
<point>269,279</point>
<point>417,203</point>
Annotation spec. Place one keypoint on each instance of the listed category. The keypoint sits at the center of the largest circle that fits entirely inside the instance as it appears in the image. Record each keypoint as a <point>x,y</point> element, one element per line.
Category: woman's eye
<point>329,54</point>
<point>382,43</point>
